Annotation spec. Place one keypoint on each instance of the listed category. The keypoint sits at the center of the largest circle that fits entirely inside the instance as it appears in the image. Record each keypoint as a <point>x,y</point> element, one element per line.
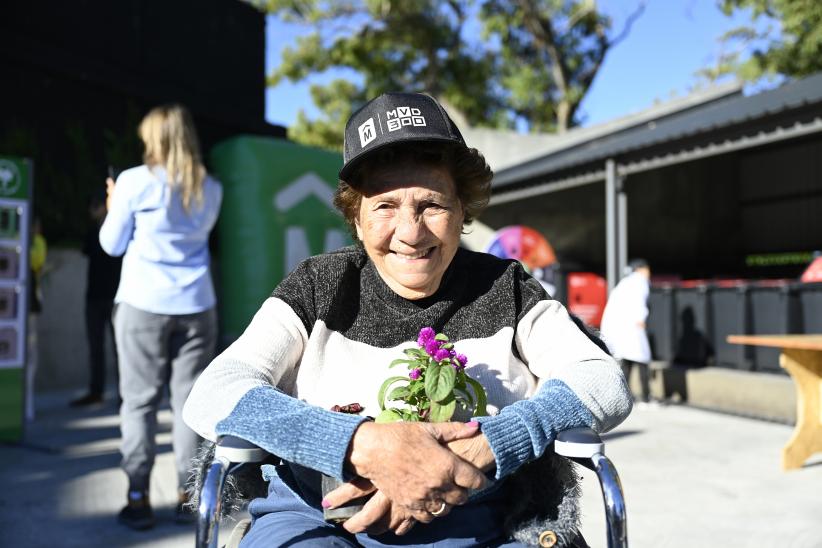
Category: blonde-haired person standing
<point>160,215</point>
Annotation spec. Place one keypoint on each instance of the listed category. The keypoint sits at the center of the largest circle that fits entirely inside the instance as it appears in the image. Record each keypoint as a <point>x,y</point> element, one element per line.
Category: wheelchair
<point>581,445</point>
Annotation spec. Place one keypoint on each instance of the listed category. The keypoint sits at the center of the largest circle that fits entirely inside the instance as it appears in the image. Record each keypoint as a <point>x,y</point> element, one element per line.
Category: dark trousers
<point>285,519</point>
<point>644,376</point>
<point>98,323</point>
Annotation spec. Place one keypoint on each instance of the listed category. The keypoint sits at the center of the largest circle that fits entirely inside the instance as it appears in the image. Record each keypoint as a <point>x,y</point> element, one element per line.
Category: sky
<point>658,60</point>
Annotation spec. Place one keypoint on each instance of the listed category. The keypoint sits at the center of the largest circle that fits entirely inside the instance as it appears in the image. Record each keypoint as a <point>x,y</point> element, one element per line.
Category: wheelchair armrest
<point>584,446</point>
<point>578,443</point>
<point>237,450</point>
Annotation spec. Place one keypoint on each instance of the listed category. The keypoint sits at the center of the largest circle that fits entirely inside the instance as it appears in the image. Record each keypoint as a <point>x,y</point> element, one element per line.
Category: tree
<point>533,66</point>
<point>410,45</point>
<point>551,50</point>
<point>784,37</point>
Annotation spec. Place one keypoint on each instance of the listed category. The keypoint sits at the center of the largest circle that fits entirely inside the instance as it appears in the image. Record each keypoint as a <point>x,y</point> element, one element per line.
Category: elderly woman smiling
<point>408,187</point>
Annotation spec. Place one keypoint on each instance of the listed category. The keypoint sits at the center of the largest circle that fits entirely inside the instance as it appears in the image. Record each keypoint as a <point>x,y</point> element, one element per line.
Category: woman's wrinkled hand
<point>410,465</point>
<point>378,515</point>
<point>475,450</point>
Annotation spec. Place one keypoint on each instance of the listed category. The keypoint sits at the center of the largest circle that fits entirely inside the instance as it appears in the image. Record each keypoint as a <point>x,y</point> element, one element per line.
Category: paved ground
<point>63,488</point>
<point>695,478</point>
<point>692,479</point>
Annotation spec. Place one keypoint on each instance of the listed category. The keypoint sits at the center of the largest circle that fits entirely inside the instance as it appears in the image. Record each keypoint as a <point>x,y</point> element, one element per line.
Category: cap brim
<point>352,164</point>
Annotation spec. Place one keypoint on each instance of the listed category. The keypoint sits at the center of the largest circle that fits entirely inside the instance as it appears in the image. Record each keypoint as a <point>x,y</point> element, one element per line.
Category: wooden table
<point>802,358</point>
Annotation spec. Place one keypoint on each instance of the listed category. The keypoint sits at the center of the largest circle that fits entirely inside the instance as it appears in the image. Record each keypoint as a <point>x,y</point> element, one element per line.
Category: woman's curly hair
<point>467,167</point>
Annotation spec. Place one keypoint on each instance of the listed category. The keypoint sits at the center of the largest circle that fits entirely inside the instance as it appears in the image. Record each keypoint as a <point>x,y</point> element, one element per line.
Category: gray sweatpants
<point>153,350</point>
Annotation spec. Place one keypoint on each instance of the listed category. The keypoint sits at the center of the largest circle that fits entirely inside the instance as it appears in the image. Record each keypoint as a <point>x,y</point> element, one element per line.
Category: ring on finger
<point>440,511</point>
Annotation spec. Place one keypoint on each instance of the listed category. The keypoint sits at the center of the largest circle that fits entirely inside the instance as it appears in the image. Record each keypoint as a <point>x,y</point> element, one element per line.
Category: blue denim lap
<point>284,519</point>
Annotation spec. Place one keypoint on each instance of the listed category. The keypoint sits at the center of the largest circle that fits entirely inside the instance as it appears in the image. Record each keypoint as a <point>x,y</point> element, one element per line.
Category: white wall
<point>63,351</point>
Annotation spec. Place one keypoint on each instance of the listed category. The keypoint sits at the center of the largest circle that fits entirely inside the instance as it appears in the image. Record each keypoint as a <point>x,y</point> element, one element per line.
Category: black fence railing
<point>689,322</point>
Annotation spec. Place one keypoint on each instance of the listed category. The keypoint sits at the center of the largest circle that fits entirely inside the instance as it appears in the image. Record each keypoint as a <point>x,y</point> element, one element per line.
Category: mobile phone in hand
<point>113,173</point>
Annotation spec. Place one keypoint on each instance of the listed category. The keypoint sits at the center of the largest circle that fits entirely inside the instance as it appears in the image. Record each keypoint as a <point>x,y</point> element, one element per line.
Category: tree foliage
<point>551,50</point>
<point>493,63</point>
<point>410,45</point>
<point>784,37</point>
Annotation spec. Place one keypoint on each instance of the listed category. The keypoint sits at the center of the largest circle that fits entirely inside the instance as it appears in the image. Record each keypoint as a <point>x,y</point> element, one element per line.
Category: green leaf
<point>466,395</point>
<point>400,361</point>
<point>482,400</point>
<point>399,393</point>
<point>442,411</point>
<point>387,383</point>
<point>389,415</point>
<point>410,416</point>
<point>441,337</point>
<point>439,381</point>
<point>414,352</point>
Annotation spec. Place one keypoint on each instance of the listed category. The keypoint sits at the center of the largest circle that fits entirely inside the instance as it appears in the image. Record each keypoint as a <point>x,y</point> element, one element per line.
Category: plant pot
<point>341,513</point>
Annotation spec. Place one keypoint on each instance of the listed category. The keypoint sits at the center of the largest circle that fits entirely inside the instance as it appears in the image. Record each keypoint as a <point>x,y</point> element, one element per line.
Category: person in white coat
<point>623,323</point>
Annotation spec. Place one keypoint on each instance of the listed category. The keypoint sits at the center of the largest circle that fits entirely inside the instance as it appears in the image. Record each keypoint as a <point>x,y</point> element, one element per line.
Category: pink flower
<point>462,359</point>
<point>426,334</point>
<point>432,346</point>
<point>441,354</point>
<point>415,374</point>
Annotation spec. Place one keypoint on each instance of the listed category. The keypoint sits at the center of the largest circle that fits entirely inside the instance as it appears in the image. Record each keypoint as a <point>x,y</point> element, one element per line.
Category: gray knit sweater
<point>330,329</point>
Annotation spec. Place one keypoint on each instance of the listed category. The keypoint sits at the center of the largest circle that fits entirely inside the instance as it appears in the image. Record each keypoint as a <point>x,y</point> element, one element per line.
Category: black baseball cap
<point>395,118</point>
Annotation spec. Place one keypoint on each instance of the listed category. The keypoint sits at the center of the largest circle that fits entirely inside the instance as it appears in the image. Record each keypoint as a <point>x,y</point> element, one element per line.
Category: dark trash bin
<point>810,305</point>
<point>660,324</point>
<point>693,324</point>
<point>730,313</point>
<point>774,311</point>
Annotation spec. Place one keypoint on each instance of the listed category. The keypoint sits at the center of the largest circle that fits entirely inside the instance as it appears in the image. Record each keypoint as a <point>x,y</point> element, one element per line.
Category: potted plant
<point>436,383</point>
<point>435,386</point>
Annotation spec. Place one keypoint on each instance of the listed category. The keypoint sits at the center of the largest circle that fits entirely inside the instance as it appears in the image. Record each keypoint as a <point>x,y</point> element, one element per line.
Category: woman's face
<point>409,222</point>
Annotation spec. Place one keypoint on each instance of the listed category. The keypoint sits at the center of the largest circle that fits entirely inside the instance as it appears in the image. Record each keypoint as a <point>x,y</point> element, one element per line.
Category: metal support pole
<point>614,500</point>
<point>208,514</point>
<point>622,227</point>
<point>611,266</point>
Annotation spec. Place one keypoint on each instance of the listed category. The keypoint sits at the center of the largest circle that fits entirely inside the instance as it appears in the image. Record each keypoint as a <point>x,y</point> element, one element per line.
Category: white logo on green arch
<point>10,178</point>
<point>296,236</point>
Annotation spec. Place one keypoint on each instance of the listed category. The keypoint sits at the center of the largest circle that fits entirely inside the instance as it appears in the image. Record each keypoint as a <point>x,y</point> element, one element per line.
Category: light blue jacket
<point>166,262</point>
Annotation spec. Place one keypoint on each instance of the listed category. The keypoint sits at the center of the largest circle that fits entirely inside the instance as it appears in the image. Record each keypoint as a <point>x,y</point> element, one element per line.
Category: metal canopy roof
<point>703,120</point>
